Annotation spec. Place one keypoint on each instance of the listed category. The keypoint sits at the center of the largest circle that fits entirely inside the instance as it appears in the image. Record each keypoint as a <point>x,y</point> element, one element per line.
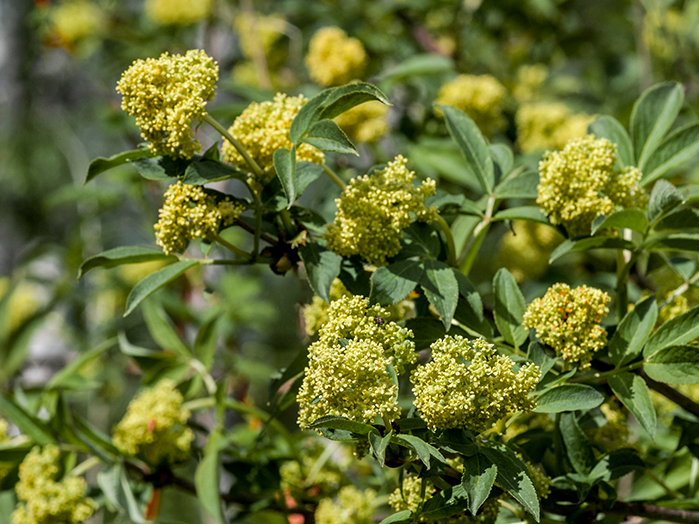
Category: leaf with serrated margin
<point>652,115</point>
<point>633,331</point>
<point>624,219</point>
<point>206,170</point>
<point>478,479</point>
<point>322,267</point>
<point>159,167</point>
<point>391,284</point>
<point>663,198</point>
<point>609,127</point>
<point>677,331</point>
<point>568,397</point>
<point>378,445</point>
<point>633,392</point>
<point>441,289</point>
<point>326,135</point>
<point>509,308</point>
<point>346,97</point>
<point>677,148</point>
<point>285,166</point>
<point>155,281</point>
<point>674,365</point>
<point>445,503</point>
<point>473,146</point>
<point>122,255</point>
<point>578,447</point>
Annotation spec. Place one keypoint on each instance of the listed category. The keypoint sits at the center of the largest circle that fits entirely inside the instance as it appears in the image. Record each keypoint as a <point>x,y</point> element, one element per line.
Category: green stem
<point>288,225</point>
<point>238,146</point>
<point>606,374</point>
<point>232,248</point>
<point>334,177</point>
<point>671,492</point>
<point>468,256</point>
<point>84,466</point>
<point>451,249</point>
<point>622,292</point>
<point>386,421</point>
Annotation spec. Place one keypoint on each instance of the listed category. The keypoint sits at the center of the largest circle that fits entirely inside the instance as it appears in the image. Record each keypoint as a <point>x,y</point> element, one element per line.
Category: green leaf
<point>663,198</point>
<point>208,474</point>
<point>100,164</point>
<point>122,255</point>
<point>322,267</point>
<point>530,213</point>
<point>617,464</point>
<point>679,147</point>
<point>207,170</point>
<point>578,447</point>
<point>379,444</point>
<point>568,246</point>
<point>683,218</point>
<point>423,449</point>
<point>537,354</point>
<point>652,115</point>
<point>513,476</point>
<point>28,424</point>
<point>609,127</point>
<point>285,166</point>
<point>470,310</point>
<point>633,392</point>
<point>420,239</point>
<point>155,281</point>
<point>428,64</point>
<point>326,135</point>
<point>523,185</point>
<point>509,308</point>
<point>674,365</point>
<point>473,146</point>
<point>677,331</point>
<point>441,289</point>
<point>478,479</point>
<point>391,284</point>
<point>677,242</point>
<point>65,378</point>
<point>333,422</point>
<point>162,329</point>
<point>624,219</point>
<point>205,343</point>
<point>633,331</point>
<point>503,158</point>
<point>427,330</point>
<point>568,397</point>
<point>399,518</point>
<point>159,167</point>
<point>445,503</point>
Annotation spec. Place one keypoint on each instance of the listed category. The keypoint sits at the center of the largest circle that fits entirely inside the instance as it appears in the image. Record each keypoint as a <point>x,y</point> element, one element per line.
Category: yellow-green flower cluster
<point>665,31</point>
<point>25,301</point>
<point>334,58</point>
<point>615,433</point>
<point>75,20</point>
<point>374,209</point>
<point>166,95</point>
<point>548,125</point>
<point>347,371</point>
<point>299,476</point>
<point>177,12</point>
<point>45,500</point>
<point>258,32</point>
<point>4,437</point>
<point>480,97</point>
<point>530,78</point>
<point>263,128</point>
<point>580,183</point>
<point>154,426</point>
<point>351,507</point>
<point>525,250</point>
<point>541,481</point>
<point>568,320</point>
<point>189,212</point>
<point>366,122</point>
<point>468,385</point>
<point>677,306</point>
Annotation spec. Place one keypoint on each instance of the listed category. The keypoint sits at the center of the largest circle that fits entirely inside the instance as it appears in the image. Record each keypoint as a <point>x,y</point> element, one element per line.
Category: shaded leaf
<point>609,127</point>
<point>423,449</point>
<point>478,479</point>
<point>633,392</point>
<point>568,397</point>
<point>391,284</point>
<point>123,255</point>
<point>523,185</point>
<point>677,242</point>
<point>101,164</point>
<point>322,267</point>
<point>633,331</point>
<point>677,331</point>
<point>28,424</point>
<point>624,219</point>
<point>285,166</point>
<point>155,281</point>
<point>602,242</point>
<point>578,447</point>
<point>683,218</point>
<point>445,503</point>
<point>679,147</point>
<point>509,308</point>
<point>208,474</point>
<point>663,198</point>
<point>441,289</point>
<point>529,213</point>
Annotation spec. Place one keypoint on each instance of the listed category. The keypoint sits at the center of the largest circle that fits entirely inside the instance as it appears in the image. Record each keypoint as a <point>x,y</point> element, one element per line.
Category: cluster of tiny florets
<point>374,209</point>
<point>190,212</point>
<point>480,97</point>
<point>468,385</point>
<point>166,95</point>
<point>568,320</point>
<point>347,371</point>
<point>257,33</point>
<point>580,183</point>
<point>366,122</point>
<point>334,58</point>
<point>45,500</point>
<point>77,20</point>
<point>263,128</point>
<point>177,12</point>
<point>352,506</point>
<point>615,433</point>
<point>154,426</point>
<point>677,306</point>
<point>299,476</point>
<point>548,125</point>
<point>525,250</point>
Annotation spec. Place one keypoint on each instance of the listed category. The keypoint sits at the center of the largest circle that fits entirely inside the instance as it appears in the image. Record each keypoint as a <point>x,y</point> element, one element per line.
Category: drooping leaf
<point>343,423</point>
<point>677,148</point>
<point>609,127</point>
<point>537,354</point>
<point>326,135</point>
<point>633,331</point>
<point>509,308</point>
<point>100,164</point>
<point>391,284</point>
<point>155,281</point>
<point>473,146</point>
<point>159,167</point>
<point>633,392</point>
<point>122,255</point>
<point>441,289</point>
<point>652,115</point>
<point>163,330</point>
<point>578,447</point>
<point>617,464</point>
<point>503,158</point>
<point>677,331</point>
<point>402,517</point>
<point>529,213</point>
<point>322,267</point>
<point>285,166</point>
<point>623,219</point>
<point>478,479</point>
<point>674,365</point>
<point>568,397</point>
<point>206,170</point>
<point>379,444</point>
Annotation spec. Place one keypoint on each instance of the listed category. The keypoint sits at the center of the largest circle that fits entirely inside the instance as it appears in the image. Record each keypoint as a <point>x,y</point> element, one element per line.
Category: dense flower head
<point>155,425</point>
<point>45,500</point>
<point>258,33</point>
<point>580,183</point>
<point>166,95</point>
<point>334,58</point>
<point>374,209</point>
<point>530,78</point>
<point>177,12</point>
<point>468,385</point>
<point>77,19</point>
<point>548,125</point>
<point>525,250</point>
<point>366,122</point>
<point>677,306</point>
<point>480,97</point>
<point>262,128</point>
<point>614,434</point>
<point>352,506</point>
<point>298,476</point>
<point>190,212</point>
<point>568,320</point>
